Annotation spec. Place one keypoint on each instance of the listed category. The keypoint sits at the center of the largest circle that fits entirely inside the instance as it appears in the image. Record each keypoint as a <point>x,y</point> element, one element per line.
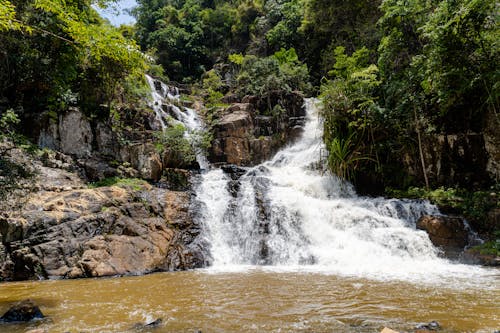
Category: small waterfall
<point>166,105</point>
<point>285,212</point>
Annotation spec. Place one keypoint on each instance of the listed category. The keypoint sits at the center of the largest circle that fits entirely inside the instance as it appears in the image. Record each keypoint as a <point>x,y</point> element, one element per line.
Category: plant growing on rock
<point>176,149</point>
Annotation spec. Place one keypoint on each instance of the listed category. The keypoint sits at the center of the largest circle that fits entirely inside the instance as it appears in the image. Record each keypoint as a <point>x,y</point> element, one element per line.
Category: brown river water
<point>255,300</point>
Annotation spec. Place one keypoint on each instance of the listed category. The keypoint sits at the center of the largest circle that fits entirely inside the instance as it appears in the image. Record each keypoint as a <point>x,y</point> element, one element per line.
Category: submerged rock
<point>431,326</point>
<point>23,311</point>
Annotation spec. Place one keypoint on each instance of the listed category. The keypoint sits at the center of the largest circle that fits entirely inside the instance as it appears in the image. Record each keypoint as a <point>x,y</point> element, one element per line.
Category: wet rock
<point>234,171</point>
<point>23,311</point>
<point>156,323</point>
<point>474,256</point>
<point>431,326</point>
<point>448,233</point>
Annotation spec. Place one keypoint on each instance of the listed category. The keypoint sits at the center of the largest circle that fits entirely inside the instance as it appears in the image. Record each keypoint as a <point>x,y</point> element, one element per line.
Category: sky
<point>118,15</point>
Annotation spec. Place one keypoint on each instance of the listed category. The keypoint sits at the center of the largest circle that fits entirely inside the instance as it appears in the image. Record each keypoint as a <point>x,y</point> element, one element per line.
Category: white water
<point>167,113</point>
<point>289,215</point>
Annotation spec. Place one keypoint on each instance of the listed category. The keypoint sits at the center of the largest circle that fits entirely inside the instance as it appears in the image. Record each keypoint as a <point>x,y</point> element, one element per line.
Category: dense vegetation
<point>59,53</point>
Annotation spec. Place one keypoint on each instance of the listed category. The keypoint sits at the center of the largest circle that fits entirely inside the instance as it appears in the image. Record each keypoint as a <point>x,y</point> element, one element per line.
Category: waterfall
<point>288,213</point>
<point>166,103</point>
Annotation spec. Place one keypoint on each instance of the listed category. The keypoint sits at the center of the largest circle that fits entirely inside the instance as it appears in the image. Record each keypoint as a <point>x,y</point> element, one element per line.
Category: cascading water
<point>288,214</point>
<point>165,103</point>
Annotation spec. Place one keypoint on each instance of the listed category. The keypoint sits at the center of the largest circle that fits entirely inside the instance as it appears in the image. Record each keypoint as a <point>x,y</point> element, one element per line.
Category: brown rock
<point>101,232</point>
<point>446,232</point>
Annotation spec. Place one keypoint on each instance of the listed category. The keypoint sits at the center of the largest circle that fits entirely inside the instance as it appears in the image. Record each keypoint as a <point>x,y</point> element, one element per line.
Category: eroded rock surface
<point>64,229</point>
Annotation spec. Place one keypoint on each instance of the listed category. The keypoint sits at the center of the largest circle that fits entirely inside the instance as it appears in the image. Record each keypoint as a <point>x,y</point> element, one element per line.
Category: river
<point>256,300</point>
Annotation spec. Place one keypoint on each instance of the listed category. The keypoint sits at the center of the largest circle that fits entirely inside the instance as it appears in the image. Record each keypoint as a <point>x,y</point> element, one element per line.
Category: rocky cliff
<point>55,226</point>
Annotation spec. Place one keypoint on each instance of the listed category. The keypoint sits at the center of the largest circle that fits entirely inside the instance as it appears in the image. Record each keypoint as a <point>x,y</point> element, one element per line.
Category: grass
<point>134,183</point>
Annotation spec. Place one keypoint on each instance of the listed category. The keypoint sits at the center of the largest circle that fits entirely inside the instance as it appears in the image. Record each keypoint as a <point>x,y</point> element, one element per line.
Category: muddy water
<point>256,300</point>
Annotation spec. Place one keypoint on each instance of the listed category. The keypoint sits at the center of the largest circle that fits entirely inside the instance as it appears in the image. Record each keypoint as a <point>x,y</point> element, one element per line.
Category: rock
<point>102,232</point>
<point>71,133</point>
<point>234,171</point>
<point>431,326</point>
<point>177,209</point>
<point>97,169</point>
<point>388,330</point>
<point>156,323</point>
<point>175,179</point>
<point>249,133</point>
<point>106,140</point>
<point>474,256</point>
<point>232,136</point>
<point>446,232</point>
<point>23,311</point>
<point>75,133</point>
<point>144,158</point>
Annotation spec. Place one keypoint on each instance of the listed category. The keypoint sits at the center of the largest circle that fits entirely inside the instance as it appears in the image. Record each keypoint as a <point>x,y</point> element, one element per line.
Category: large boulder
<point>447,232</point>
<point>232,136</point>
<point>250,132</point>
<point>99,232</point>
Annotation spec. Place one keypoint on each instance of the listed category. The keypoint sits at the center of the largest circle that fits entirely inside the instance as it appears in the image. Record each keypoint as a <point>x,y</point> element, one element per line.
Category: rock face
<point>448,233</point>
<point>245,135</point>
<point>23,311</point>
<point>464,159</point>
<point>234,131</point>
<point>63,229</point>
<point>72,134</point>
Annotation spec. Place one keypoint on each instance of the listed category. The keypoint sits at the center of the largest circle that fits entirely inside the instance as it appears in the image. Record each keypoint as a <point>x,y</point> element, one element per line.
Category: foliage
<point>331,23</point>
<point>281,71</point>
<point>7,122</point>
<point>490,248</point>
<point>172,143</point>
<point>133,183</point>
<point>70,57</point>
<point>8,19</point>
<point>344,156</point>
<point>349,109</point>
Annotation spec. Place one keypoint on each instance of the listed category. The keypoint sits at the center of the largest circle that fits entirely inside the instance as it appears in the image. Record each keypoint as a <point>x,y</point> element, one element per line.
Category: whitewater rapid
<point>288,214</point>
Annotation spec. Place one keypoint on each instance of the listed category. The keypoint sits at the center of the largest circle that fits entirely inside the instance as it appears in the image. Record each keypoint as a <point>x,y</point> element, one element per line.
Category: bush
<point>134,183</point>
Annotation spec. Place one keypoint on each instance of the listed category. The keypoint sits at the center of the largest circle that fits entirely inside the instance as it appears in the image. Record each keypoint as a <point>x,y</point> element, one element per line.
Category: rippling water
<point>256,299</point>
